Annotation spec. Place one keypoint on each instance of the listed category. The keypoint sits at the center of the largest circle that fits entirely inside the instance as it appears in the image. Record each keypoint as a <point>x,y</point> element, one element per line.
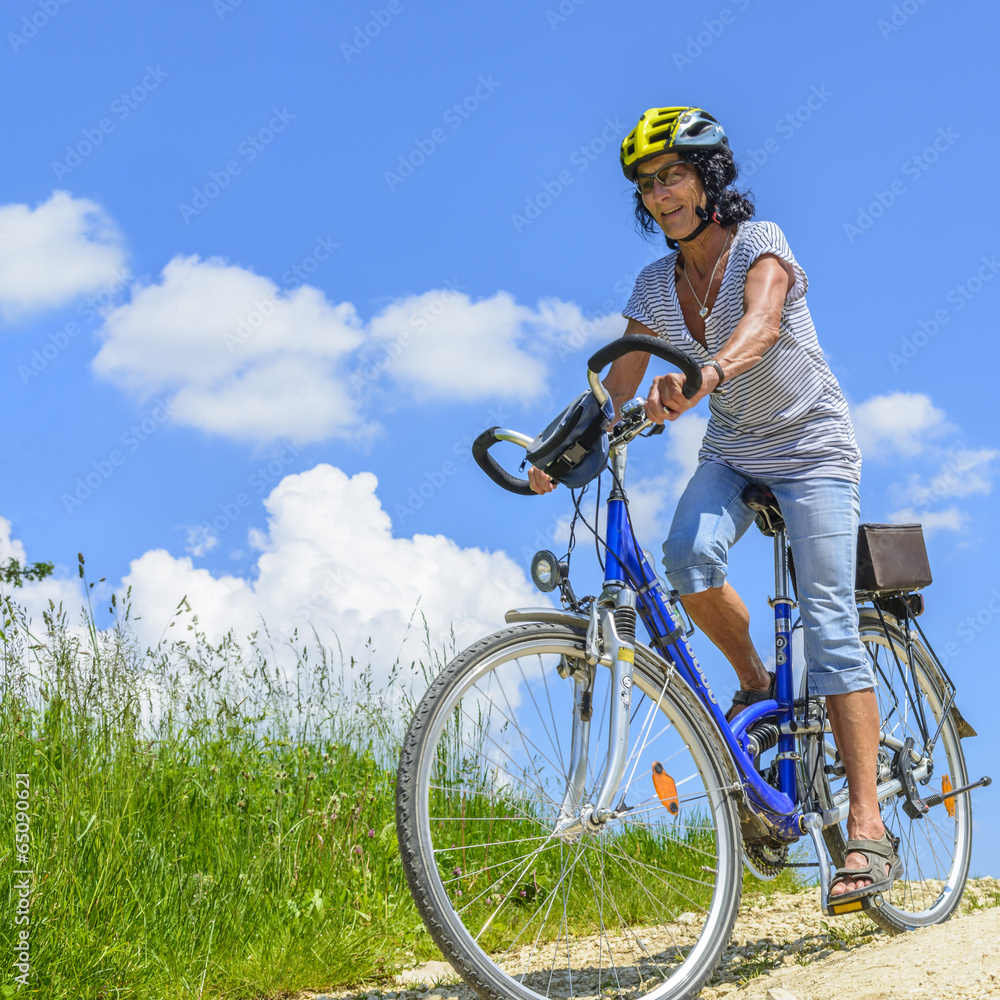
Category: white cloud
<point>240,357</point>
<point>951,519</point>
<point>962,472</point>
<point>897,424</point>
<point>329,560</point>
<point>444,342</point>
<point>54,253</point>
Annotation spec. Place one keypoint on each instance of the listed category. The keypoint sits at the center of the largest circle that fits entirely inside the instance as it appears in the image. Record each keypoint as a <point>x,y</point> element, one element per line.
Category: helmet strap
<point>706,218</point>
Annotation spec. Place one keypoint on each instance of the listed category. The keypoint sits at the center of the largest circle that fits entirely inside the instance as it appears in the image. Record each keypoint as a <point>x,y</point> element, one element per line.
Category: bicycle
<point>550,860</point>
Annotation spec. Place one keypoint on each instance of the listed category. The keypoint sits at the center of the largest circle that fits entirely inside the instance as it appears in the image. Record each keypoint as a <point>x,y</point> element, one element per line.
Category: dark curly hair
<point>718,171</point>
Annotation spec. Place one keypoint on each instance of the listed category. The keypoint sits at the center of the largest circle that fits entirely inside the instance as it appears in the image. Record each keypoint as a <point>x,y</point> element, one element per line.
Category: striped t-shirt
<point>785,417</point>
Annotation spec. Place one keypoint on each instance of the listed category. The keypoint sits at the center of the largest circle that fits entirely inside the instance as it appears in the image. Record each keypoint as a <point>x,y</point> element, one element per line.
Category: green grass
<point>205,822</point>
<point>198,825</point>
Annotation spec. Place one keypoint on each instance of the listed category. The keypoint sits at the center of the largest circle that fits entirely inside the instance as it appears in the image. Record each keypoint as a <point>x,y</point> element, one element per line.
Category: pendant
<point>703,312</point>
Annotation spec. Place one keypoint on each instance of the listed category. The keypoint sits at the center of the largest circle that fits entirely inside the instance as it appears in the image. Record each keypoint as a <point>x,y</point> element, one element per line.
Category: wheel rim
<point>573,919</point>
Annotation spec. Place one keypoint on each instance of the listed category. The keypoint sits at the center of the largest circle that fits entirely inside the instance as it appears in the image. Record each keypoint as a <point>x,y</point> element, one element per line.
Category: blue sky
<point>267,269</point>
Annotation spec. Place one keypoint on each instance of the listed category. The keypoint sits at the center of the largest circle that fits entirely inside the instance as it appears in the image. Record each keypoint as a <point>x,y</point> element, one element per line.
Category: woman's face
<point>674,196</point>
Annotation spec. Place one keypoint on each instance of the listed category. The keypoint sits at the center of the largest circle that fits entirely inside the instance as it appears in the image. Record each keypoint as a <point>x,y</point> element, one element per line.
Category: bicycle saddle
<point>762,501</point>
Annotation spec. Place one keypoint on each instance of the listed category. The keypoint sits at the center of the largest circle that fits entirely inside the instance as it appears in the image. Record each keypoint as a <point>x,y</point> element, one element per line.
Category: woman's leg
<point>709,518</point>
<point>822,521</point>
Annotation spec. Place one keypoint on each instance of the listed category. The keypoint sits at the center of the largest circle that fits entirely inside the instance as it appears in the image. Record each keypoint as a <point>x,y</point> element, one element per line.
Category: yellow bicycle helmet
<point>665,130</point>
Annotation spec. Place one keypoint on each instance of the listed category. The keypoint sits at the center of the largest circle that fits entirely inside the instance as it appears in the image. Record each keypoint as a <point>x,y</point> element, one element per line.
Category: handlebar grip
<point>649,345</point>
<point>480,452</point>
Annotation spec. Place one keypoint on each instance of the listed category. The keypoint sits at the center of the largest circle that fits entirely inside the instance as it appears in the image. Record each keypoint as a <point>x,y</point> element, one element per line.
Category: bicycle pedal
<point>835,909</point>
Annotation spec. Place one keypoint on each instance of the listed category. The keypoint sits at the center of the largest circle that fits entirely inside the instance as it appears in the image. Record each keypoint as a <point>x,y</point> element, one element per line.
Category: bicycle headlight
<point>546,573</point>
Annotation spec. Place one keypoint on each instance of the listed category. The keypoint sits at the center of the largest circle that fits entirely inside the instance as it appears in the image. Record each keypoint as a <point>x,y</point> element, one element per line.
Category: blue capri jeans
<point>821,519</point>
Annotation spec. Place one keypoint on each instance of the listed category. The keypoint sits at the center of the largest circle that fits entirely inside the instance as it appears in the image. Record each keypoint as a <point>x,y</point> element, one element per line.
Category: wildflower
<point>358,850</point>
<point>240,804</point>
<point>457,872</point>
<point>371,833</point>
<point>310,776</point>
<point>214,769</point>
<point>523,893</point>
<point>458,892</point>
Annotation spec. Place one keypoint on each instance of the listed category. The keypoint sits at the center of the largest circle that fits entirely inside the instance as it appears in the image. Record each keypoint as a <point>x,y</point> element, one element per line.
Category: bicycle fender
<point>550,616</point>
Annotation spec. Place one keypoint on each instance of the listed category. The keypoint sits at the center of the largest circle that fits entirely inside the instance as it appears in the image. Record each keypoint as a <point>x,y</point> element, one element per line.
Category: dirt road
<point>784,949</point>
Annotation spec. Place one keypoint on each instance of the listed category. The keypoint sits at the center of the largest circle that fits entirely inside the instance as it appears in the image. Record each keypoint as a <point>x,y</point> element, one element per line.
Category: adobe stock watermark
<point>455,117</point>
<point>435,479</point>
<point>261,310</point>
<point>56,343</point>
<point>712,28</point>
<point>22,878</point>
<point>914,168</point>
<point>248,151</point>
<point>971,627</point>
<point>224,7</point>
<point>365,34</point>
<point>786,127</point>
<point>958,297</point>
<point>580,159</point>
<point>899,14</point>
<point>30,26</point>
<point>421,317</point>
<point>333,583</point>
<point>562,13</point>
<point>204,537</point>
<point>102,469</point>
<point>121,107</point>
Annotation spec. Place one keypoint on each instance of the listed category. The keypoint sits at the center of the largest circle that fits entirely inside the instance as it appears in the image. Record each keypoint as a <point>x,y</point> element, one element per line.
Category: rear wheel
<point>642,908</point>
<point>936,848</point>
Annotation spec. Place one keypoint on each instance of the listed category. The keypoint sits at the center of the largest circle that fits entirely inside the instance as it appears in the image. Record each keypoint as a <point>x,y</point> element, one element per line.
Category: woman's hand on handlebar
<point>665,400</point>
<point>539,481</point>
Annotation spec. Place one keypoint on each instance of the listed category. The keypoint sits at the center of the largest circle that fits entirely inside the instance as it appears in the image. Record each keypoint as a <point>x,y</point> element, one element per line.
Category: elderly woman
<point>733,297</point>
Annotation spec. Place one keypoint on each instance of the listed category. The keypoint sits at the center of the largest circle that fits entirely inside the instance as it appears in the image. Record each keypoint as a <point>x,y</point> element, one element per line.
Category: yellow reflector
<point>846,907</point>
<point>626,654</point>
<point>666,789</point>
<point>946,787</point>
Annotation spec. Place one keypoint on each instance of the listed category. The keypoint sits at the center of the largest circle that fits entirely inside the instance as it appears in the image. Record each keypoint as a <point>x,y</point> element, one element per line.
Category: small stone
<point>779,993</point>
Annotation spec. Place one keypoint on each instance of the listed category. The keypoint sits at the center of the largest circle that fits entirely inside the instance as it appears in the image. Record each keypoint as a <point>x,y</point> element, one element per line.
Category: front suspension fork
<point>610,643</point>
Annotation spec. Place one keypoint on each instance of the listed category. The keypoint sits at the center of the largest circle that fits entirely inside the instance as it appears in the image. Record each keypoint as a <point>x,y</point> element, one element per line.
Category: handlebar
<point>598,361</point>
<point>480,452</point>
<point>649,345</point>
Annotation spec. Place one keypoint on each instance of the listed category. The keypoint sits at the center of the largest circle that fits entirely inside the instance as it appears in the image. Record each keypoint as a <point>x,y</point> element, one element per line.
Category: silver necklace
<point>703,310</point>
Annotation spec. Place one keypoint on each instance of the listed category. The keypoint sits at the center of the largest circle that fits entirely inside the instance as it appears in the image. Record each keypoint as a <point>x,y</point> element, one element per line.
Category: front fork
<point>610,643</point>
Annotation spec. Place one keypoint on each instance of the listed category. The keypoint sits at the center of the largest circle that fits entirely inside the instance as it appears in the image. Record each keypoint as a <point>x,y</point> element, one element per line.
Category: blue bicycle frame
<point>627,566</point>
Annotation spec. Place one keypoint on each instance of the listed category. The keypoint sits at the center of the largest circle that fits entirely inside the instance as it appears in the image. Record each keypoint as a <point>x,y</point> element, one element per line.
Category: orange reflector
<point>946,787</point>
<point>666,789</point>
<point>846,907</point>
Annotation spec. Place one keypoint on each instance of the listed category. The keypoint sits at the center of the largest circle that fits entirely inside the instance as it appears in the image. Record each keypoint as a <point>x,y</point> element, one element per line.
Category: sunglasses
<point>668,176</point>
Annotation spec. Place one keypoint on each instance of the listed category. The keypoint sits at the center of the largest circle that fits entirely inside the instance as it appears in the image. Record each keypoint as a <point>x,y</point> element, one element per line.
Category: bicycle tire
<point>936,848</point>
<point>681,874</point>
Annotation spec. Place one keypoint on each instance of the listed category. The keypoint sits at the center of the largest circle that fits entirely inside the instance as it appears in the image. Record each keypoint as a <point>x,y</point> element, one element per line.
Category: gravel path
<point>783,948</point>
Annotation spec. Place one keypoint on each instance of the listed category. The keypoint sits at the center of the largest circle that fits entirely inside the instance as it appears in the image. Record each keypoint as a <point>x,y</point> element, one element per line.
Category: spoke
<point>538,711</point>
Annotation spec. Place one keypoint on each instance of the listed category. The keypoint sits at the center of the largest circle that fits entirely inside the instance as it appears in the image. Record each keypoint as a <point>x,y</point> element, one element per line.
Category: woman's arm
<point>622,382</point>
<point>769,280</point>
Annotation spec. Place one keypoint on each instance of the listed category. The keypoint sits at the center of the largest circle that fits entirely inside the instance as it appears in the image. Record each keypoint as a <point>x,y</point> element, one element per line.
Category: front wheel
<point>936,848</point>
<point>643,907</point>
